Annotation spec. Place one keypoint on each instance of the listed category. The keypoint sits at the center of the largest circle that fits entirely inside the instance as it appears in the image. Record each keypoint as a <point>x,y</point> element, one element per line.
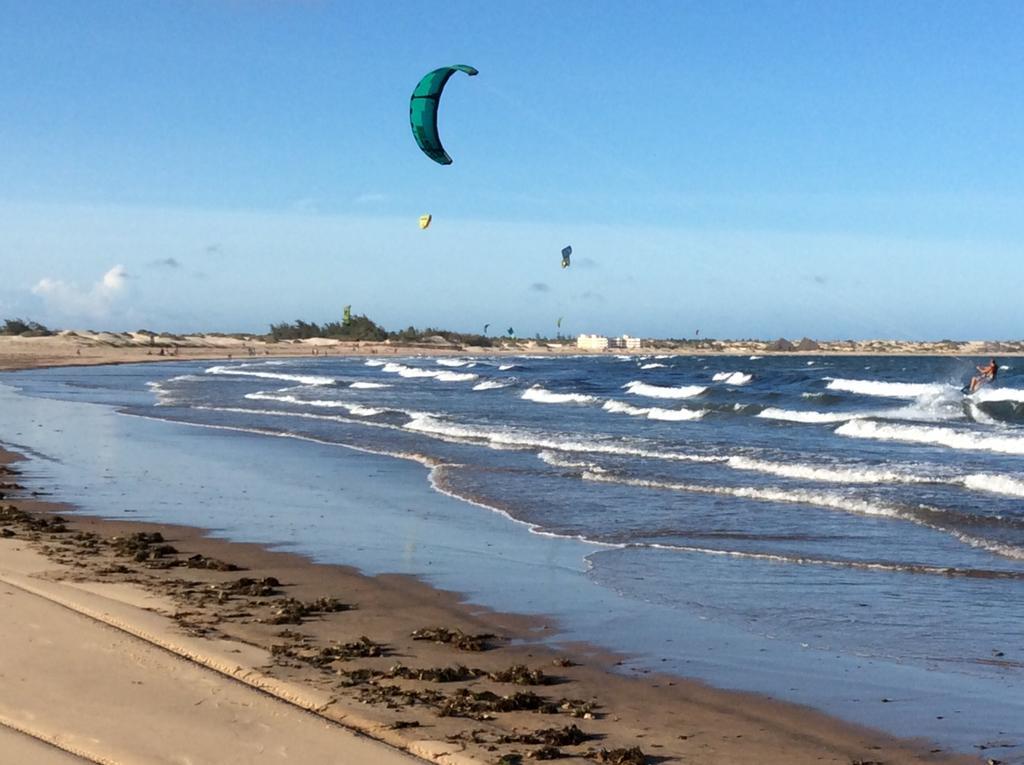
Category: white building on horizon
<point>592,342</point>
<point>626,342</point>
<point>602,343</point>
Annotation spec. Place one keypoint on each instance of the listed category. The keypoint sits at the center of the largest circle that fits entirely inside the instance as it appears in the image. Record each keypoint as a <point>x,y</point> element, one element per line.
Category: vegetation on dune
<point>25,328</point>
<point>362,328</point>
<point>357,328</point>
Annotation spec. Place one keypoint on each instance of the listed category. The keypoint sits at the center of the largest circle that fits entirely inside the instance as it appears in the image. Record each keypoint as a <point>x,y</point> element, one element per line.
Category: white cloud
<point>71,300</point>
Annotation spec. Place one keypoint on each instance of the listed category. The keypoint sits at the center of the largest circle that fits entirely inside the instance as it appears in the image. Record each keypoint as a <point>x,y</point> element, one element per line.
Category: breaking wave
<point>393,367</point>
<point>675,415</point>
<point>867,565</point>
<point>369,385</point>
<point>639,388</point>
<point>653,413</point>
<point>364,411</point>
<point>793,415</point>
<point>732,378</point>
<point>557,460</point>
<point>653,365</point>
<point>888,389</point>
<point>455,362</point>
<point>999,394</point>
<point>286,398</point>
<point>997,484</point>
<point>544,396</point>
<point>829,500</point>
<point>521,439</point>
<point>619,407</point>
<point>836,474</point>
<point>492,384</point>
<point>304,379</point>
<point>933,436</point>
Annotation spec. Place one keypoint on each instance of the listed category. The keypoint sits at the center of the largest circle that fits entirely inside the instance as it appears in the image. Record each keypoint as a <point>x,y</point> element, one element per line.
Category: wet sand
<point>335,650</point>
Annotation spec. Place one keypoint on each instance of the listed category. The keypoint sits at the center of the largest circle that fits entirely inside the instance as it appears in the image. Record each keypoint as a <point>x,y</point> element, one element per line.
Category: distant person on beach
<point>986,374</point>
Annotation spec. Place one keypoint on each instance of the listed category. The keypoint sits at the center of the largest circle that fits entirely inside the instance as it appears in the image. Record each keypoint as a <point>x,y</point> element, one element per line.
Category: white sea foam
<point>364,411</point>
<point>374,363</point>
<point>653,413</point>
<point>163,396</point>
<point>620,407</point>
<point>492,384</point>
<point>557,460</point>
<point>304,379</point>
<point>456,362</point>
<point>732,378</point>
<point>934,436</point>
<point>831,474</point>
<point>756,358</point>
<point>675,415</point>
<point>910,568</point>
<point>979,415</point>
<point>640,388</point>
<point>506,367</point>
<point>369,385</point>
<point>393,367</point>
<point>544,396</point>
<point>999,548</point>
<point>456,376</point>
<point>287,398</point>
<point>792,415</point>
<point>832,500</point>
<point>997,484</point>
<point>888,389</point>
<point>511,438</point>
<point>653,365</point>
<point>999,394</point>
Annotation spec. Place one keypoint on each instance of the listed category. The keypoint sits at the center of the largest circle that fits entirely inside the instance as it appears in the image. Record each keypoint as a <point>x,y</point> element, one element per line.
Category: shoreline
<point>20,353</point>
<point>665,716</point>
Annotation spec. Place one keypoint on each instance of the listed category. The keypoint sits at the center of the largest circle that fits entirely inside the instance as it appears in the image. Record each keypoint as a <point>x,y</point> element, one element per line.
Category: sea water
<point>835,530</point>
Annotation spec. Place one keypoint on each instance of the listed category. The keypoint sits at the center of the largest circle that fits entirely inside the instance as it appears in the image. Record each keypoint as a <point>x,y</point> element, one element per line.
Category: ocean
<point>845,532</point>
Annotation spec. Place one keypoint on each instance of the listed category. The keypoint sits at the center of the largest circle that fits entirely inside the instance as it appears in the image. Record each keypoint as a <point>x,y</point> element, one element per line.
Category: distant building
<point>592,342</point>
<point>626,342</point>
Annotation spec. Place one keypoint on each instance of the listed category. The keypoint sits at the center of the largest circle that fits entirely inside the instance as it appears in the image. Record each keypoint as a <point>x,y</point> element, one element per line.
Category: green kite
<point>423,110</point>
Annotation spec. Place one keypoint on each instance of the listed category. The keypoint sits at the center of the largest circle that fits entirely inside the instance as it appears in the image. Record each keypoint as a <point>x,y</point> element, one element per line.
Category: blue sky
<point>832,169</point>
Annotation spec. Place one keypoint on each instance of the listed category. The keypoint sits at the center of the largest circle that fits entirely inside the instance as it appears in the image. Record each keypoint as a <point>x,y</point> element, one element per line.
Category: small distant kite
<point>511,332</point>
<point>423,110</point>
<point>566,254</point>
<point>485,328</point>
<point>425,220</point>
<point>346,315</point>
<point>559,322</point>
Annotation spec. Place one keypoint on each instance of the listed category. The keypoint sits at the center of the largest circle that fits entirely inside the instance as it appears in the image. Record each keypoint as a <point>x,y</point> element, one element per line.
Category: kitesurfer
<point>986,374</point>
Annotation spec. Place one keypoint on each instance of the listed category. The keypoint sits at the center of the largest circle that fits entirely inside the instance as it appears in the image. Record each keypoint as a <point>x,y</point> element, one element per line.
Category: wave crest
<point>888,389</point>
<point>239,371</point>
<point>640,388</point>
<point>732,378</point>
<point>544,396</point>
<point>933,436</point>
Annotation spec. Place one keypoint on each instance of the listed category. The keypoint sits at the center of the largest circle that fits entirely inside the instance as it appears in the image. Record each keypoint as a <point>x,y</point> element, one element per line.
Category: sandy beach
<point>293,657</point>
<point>313,652</point>
<point>71,348</point>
